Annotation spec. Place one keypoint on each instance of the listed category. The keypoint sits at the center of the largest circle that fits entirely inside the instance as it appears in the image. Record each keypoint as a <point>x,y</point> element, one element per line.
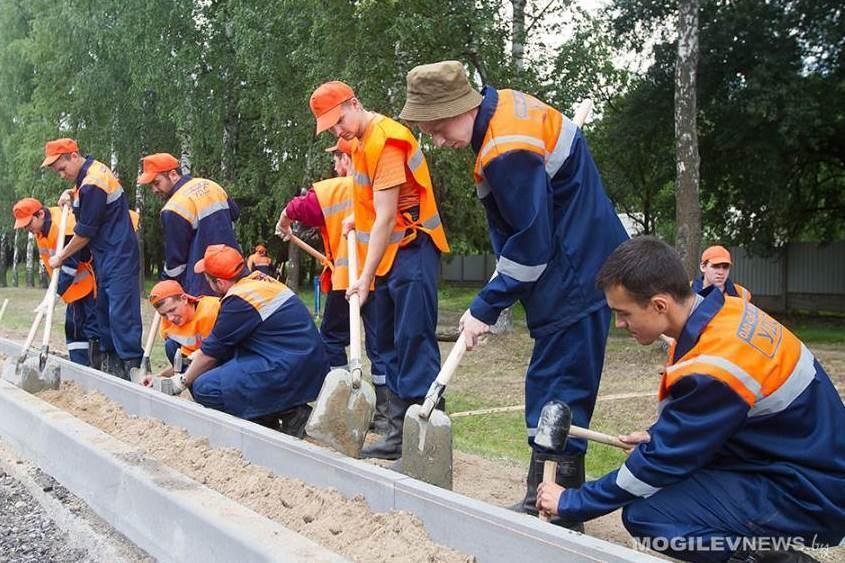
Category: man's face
<point>68,166</point>
<point>176,310</point>
<point>218,286</point>
<point>644,323</point>
<point>342,163</point>
<point>36,223</point>
<point>349,125</point>
<point>162,185</point>
<point>715,274</point>
<point>453,132</point>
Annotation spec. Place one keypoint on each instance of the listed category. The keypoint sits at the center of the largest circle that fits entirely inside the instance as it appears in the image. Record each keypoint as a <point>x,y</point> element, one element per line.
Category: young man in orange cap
<point>197,213</point>
<point>263,360</point>
<point>400,236</point>
<point>260,262</point>
<point>185,320</point>
<point>104,225</point>
<point>551,226</point>
<point>76,278</point>
<point>324,207</point>
<point>747,448</point>
<point>716,270</point>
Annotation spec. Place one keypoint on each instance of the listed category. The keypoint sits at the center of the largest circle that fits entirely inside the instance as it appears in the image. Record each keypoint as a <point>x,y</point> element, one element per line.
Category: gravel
<point>27,533</point>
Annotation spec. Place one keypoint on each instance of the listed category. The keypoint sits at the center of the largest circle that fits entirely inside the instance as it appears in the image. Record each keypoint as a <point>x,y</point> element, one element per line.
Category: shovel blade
<point>427,447</point>
<point>136,375</point>
<point>28,376</point>
<point>342,414</point>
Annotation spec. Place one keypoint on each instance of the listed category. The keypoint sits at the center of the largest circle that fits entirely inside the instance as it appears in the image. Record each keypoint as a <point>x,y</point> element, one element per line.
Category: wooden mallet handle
<point>549,472</point>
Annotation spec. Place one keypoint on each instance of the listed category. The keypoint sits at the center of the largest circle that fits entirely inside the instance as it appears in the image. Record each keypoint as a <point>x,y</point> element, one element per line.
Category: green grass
<point>811,334</point>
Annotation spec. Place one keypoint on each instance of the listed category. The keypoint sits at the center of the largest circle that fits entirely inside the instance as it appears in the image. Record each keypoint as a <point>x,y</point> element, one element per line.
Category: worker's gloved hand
<point>548,497</point>
<point>42,307</point>
<point>177,384</point>
<point>56,260</point>
<point>473,329</point>
<point>283,227</point>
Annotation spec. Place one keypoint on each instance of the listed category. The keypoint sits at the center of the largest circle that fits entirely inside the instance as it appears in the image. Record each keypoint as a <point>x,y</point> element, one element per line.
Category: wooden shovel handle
<point>599,437</point>
<point>54,280</point>
<point>310,250</point>
<point>354,311</point>
<point>452,361</point>
<point>583,111</point>
<point>151,337</point>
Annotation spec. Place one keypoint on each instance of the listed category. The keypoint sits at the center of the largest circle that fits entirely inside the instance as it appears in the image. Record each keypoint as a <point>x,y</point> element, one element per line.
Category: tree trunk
<point>15,260</point>
<point>29,276</point>
<point>518,32</point>
<point>293,267</point>
<point>43,278</point>
<point>3,265</point>
<point>687,205</point>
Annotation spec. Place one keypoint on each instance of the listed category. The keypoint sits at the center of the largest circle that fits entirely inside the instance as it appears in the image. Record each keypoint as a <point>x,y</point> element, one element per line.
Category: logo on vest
<point>760,331</point>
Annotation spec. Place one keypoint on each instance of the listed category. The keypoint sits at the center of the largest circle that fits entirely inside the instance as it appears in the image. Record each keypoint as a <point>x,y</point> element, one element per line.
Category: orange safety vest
<point>196,199</point>
<point>101,176</point>
<point>751,353</point>
<point>744,294</point>
<point>191,334</point>
<point>264,293</point>
<point>364,162</point>
<point>524,123</point>
<point>83,276</point>
<point>335,198</point>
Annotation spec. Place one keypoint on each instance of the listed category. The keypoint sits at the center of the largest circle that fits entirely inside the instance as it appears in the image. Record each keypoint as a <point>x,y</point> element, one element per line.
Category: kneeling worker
<point>747,447</point>
<point>264,359</point>
<point>185,320</point>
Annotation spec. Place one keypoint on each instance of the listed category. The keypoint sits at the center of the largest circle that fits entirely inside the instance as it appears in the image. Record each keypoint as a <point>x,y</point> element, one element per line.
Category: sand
<point>345,526</point>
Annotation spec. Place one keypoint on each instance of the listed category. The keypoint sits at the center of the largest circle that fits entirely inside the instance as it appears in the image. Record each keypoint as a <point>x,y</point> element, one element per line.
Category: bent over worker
<point>325,206</point>
<point>401,237</point>
<point>263,360</point>
<point>185,321</point>
<point>197,214</point>
<point>551,226</point>
<point>716,270</point>
<point>76,278</point>
<point>104,225</point>
<point>748,440</point>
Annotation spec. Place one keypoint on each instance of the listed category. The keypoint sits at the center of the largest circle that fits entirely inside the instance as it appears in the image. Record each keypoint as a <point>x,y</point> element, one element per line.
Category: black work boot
<point>570,475</point>
<point>270,421</point>
<point>95,355</point>
<point>112,364</point>
<point>390,446</point>
<point>294,420</point>
<point>379,425</point>
<point>129,364</point>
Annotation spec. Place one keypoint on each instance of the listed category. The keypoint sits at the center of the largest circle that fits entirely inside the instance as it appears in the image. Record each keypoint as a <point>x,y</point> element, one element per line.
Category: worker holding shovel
<point>103,225</point>
<point>76,279</point>
<point>748,442</point>
<point>401,236</point>
<point>551,226</point>
<point>324,207</point>
<point>197,214</point>
<point>263,360</point>
<point>185,321</point>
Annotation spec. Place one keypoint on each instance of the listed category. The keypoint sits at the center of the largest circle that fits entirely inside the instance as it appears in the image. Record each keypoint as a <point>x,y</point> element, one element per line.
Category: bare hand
<point>66,198</point>
<point>348,224</point>
<point>283,227</point>
<point>362,288</point>
<point>548,497</point>
<point>635,438</point>
<point>55,261</point>
<point>147,380</point>
<point>472,328</point>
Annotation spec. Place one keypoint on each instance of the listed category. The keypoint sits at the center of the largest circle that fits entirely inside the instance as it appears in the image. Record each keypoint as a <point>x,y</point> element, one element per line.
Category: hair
<point>167,300</point>
<point>645,266</point>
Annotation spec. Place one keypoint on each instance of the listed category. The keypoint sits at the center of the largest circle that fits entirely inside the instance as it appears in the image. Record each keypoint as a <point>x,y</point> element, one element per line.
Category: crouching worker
<point>747,453</point>
<point>264,359</point>
<point>185,322</point>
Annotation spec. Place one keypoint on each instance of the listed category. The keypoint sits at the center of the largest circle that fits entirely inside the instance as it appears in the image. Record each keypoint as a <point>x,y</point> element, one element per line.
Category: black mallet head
<point>553,428</point>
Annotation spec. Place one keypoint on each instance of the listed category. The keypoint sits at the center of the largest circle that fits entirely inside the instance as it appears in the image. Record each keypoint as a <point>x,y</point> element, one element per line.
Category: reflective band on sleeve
<point>341,262</point>
<point>415,160</point>
<point>560,153</point>
<point>795,384</point>
<point>173,272</point>
<point>212,208</point>
<point>337,207</point>
<point>627,481</point>
<point>77,346</point>
<point>379,379</point>
<point>183,211</point>
<point>115,195</point>
<point>519,272</point>
<point>432,222</point>
<point>504,139</point>
<point>532,432</point>
<point>184,340</point>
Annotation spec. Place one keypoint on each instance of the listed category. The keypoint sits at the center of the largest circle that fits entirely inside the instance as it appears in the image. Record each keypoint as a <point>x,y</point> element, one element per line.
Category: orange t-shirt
<point>392,172</point>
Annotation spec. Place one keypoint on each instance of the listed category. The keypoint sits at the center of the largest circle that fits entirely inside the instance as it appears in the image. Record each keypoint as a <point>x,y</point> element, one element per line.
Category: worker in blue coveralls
<point>76,276</point>
<point>104,226</point>
<point>748,445</point>
<point>264,360</point>
<point>551,226</point>
<point>197,214</point>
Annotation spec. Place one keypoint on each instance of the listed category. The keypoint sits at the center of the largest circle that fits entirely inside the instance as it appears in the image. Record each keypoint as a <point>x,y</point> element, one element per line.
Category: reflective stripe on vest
<point>265,294</point>
<point>365,160</point>
<point>335,198</point>
<point>197,199</point>
<point>101,176</point>
<point>192,334</point>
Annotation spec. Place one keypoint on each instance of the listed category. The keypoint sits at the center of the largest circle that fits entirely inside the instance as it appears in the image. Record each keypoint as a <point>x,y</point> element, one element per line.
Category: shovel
<point>30,374</point>
<point>3,309</point>
<point>427,431</point>
<point>345,405</point>
<point>136,375</point>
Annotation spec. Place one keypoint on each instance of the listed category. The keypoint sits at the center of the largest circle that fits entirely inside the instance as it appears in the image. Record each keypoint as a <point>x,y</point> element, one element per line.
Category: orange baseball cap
<point>156,164</point>
<point>344,146</point>
<point>167,288</point>
<point>325,103</point>
<point>24,210</point>
<point>220,261</point>
<point>54,149</point>
<point>716,255</point>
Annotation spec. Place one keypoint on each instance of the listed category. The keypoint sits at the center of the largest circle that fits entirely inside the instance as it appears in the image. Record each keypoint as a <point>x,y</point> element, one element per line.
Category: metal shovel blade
<point>342,414</point>
<point>136,375</point>
<point>427,447</point>
<point>28,376</point>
